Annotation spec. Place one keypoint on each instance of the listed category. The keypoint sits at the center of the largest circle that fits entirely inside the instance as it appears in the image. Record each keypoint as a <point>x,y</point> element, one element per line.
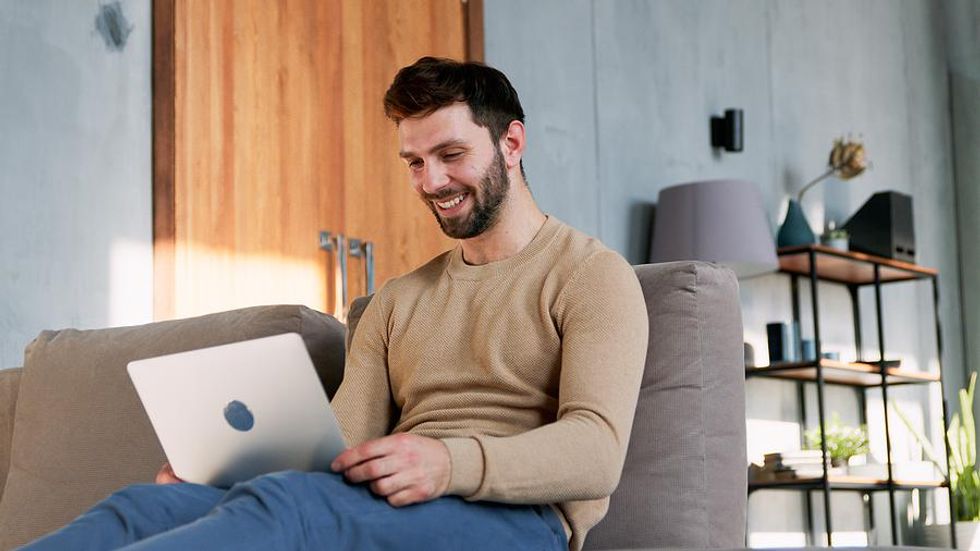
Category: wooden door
<point>268,128</point>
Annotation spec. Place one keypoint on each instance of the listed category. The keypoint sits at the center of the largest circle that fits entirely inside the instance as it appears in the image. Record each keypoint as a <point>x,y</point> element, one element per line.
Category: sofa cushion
<point>684,481</point>
<point>9,383</point>
<point>80,432</point>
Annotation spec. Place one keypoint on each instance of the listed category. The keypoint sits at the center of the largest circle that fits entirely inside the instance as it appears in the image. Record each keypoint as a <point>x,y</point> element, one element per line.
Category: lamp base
<point>795,230</point>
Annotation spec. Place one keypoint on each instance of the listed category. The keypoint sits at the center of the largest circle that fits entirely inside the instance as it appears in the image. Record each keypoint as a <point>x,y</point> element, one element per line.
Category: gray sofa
<point>72,429</point>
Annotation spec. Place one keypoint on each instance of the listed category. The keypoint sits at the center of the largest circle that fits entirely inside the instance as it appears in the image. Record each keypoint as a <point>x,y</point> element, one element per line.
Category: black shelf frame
<point>896,272</point>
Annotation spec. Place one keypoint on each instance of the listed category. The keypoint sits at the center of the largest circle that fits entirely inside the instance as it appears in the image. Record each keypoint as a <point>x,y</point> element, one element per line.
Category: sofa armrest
<point>9,384</point>
<point>81,430</point>
<point>684,480</point>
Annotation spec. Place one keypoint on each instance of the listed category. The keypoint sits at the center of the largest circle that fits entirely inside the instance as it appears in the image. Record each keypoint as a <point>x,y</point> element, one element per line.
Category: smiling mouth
<point>451,203</point>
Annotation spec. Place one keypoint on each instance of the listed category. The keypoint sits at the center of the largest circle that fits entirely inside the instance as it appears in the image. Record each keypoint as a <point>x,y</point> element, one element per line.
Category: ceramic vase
<point>795,229</point>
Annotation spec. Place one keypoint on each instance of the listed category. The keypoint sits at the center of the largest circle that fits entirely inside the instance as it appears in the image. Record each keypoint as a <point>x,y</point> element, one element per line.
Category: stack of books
<point>794,465</point>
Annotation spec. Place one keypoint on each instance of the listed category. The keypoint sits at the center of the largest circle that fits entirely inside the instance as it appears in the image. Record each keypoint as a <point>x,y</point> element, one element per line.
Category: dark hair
<point>432,83</point>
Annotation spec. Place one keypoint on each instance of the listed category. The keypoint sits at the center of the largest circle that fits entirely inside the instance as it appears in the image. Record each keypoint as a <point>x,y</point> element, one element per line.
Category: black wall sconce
<point>726,132</point>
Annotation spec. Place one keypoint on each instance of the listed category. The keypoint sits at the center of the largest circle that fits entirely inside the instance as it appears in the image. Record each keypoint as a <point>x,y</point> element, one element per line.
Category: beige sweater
<point>528,369</point>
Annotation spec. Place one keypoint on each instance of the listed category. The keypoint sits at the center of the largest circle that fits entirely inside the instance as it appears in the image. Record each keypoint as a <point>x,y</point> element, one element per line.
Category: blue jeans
<point>293,510</point>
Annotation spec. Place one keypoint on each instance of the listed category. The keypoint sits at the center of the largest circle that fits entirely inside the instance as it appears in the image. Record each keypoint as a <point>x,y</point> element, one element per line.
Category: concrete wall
<point>618,97</point>
<point>963,38</point>
<point>75,193</point>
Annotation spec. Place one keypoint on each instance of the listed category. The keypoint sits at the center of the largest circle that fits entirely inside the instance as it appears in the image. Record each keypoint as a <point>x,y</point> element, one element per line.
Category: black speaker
<point>883,227</point>
<point>784,341</point>
<point>727,131</point>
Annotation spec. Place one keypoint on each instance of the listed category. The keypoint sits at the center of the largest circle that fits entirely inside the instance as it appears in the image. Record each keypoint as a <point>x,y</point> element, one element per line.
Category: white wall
<point>618,97</point>
<point>75,171</point>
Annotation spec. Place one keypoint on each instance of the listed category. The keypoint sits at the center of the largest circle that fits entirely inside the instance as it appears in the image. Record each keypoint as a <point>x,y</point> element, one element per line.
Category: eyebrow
<point>437,147</point>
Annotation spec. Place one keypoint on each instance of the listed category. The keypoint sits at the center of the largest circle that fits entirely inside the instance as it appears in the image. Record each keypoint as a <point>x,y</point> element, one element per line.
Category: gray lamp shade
<point>719,221</point>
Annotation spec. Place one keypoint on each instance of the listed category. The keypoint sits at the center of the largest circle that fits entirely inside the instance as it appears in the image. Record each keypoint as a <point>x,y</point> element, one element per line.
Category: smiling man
<point>508,368</point>
<point>448,202</point>
<point>488,396</point>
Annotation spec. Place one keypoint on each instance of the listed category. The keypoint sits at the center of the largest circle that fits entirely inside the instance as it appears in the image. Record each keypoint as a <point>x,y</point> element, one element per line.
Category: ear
<point>512,144</point>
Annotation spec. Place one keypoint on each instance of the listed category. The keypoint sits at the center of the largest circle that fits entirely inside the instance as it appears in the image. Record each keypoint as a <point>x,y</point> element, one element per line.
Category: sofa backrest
<point>80,432</point>
<point>9,384</point>
<point>684,481</point>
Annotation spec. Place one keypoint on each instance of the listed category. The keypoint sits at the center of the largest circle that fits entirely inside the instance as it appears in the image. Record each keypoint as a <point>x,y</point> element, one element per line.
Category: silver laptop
<point>230,413</point>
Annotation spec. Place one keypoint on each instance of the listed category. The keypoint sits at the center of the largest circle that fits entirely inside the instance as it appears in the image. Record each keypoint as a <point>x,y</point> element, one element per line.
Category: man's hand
<point>405,468</point>
<point>166,475</point>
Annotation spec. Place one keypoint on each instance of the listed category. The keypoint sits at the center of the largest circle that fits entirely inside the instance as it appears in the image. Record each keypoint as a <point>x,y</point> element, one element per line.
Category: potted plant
<point>964,479</point>
<point>835,237</point>
<point>843,442</point>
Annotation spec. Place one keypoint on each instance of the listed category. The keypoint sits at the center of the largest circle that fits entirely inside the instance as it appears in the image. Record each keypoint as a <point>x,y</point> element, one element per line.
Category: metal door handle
<point>343,247</point>
<point>342,261</point>
<point>336,243</point>
<point>364,249</point>
<point>369,267</point>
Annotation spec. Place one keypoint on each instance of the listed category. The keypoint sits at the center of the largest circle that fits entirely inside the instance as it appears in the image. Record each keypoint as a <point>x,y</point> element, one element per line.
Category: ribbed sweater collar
<point>460,270</point>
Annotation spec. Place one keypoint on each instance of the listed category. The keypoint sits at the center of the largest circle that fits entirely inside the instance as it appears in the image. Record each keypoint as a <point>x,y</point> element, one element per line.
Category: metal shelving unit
<point>853,270</point>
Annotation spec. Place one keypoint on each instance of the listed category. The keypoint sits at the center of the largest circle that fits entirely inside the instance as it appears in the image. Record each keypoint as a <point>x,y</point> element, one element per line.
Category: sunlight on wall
<point>766,436</point>
<point>215,280</point>
<point>847,539</point>
<point>764,540</point>
<point>130,283</point>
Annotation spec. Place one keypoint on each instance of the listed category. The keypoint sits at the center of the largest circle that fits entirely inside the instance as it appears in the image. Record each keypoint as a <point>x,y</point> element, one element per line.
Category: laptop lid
<point>229,413</point>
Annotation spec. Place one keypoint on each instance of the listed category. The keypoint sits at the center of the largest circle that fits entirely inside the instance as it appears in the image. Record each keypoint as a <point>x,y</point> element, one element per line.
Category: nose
<point>434,178</point>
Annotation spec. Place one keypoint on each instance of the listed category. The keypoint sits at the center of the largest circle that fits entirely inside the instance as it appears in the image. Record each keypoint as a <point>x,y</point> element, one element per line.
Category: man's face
<point>456,170</point>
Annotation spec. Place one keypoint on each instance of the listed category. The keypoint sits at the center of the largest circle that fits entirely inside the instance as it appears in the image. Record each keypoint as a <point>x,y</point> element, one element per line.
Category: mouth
<point>452,205</point>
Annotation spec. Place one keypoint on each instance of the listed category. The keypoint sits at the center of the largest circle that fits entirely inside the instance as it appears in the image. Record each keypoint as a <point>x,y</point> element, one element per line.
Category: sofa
<point>72,429</point>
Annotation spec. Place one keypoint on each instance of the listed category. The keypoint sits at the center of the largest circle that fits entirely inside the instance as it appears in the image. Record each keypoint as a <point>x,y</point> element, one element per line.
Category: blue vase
<point>795,229</point>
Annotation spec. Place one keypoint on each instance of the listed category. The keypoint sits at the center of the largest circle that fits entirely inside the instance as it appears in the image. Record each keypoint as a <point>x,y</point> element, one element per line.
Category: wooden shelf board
<point>844,482</point>
<point>848,267</point>
<point>841,373</point>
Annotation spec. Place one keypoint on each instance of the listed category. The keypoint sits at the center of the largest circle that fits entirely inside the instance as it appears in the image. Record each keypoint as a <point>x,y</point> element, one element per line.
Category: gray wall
<point>75,193</point>
<point>618,97</point>
<point>963,22</point>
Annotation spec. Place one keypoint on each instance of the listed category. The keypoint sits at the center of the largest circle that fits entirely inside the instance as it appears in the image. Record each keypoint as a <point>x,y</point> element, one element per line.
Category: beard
<point>487,201</point>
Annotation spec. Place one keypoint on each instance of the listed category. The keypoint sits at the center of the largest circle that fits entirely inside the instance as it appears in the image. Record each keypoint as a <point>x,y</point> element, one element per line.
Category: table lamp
<point>719,221</point>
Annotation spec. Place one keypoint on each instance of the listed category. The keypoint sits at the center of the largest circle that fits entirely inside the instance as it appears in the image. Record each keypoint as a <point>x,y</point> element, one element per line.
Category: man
<point>488,395</point>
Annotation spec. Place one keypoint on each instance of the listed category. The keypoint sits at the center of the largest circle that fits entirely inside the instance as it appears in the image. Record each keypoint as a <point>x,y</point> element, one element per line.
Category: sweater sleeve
<point>603,322</point>
<point>363,403</point>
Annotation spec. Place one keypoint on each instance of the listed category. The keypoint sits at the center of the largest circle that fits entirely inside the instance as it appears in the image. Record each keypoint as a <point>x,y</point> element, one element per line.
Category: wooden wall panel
<point>164,141</point>
<point>379,203</point>
<point>277,132</point>
<point>259,151</point>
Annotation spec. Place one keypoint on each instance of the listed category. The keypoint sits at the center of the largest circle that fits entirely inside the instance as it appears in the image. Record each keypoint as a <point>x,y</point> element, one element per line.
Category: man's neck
<point>519,221</point>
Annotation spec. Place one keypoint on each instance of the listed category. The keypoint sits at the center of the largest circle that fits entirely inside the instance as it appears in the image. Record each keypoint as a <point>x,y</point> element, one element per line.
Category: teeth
<point>452,203</point>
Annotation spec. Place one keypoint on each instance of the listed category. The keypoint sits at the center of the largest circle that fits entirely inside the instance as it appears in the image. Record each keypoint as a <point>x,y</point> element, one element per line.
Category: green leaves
<point>968,434</point>
<point>922,439</point>
<point>842,441</point>
<point>964,480</point>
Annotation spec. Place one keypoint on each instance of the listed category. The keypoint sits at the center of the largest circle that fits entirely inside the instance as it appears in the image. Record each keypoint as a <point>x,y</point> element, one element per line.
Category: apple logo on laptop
<point>238,416</point>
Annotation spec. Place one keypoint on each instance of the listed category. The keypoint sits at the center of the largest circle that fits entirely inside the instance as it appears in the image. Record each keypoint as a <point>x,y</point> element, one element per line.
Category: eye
<point>452,156</point>
<point>415,164</point>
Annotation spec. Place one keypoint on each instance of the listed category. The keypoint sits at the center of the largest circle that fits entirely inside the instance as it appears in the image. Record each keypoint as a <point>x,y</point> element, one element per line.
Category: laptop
<point>230,413</point>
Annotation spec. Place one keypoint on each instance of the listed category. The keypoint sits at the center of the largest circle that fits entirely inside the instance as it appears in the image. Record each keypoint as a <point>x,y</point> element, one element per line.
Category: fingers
<point>162,474</point>
<point>166,475</point>
<point>404,468</point>
<point>367,451</point>
<point>404,488</point>
<point>374,469</point>
<point>391,484</point>
<point>408,496</point>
